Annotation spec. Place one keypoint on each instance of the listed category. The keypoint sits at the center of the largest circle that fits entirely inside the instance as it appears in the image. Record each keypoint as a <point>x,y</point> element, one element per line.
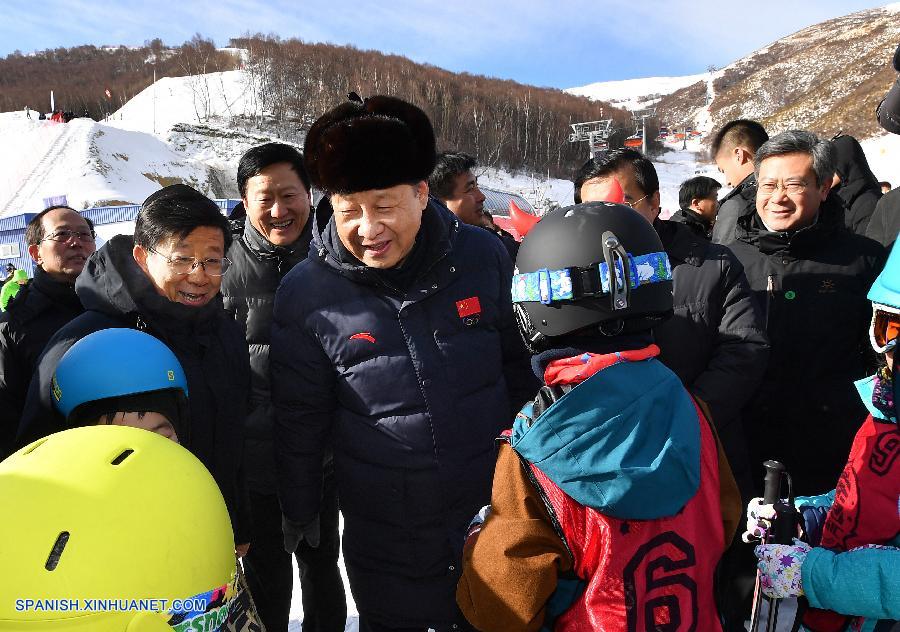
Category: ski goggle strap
<point>570,284</point>
<point>885,328</point>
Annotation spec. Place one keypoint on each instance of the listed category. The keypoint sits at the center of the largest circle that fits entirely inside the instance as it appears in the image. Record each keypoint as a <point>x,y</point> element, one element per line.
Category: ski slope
<point>636,94</point>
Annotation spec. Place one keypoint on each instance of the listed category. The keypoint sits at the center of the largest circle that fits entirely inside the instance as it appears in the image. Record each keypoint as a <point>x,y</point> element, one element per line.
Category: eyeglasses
<point>636,202</point>
<point>187,265</point>
<point>65,236</point>
<point>885,330</point>
<point>767,189</point>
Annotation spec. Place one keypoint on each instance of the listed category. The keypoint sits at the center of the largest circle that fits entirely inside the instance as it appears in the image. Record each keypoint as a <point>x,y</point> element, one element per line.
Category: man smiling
<point>395,345</point>
<point>269,242</point>
<point>811,276</point>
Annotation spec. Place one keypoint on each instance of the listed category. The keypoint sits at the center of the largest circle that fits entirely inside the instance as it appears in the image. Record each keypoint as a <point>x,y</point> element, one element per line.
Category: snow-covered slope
<point>635,94</point>
<point>196,99</point>
<point>92,164</point>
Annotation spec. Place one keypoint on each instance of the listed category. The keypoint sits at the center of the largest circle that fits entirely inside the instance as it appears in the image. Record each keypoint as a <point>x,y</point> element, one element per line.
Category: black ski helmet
<point>561,282</point>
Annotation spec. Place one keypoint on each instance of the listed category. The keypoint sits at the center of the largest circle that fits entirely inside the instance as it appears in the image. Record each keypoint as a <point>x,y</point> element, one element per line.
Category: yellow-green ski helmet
<point>112,513</point>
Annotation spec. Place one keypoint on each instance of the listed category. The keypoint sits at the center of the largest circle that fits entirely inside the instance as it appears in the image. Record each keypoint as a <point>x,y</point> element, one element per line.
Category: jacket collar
<point>439,226</point>
<point>55,291</point>
<point>751,230</point>
<point>265,250</point>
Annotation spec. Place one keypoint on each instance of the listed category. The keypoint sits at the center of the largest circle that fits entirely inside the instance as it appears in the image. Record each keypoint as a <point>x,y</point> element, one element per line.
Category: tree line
<point>503,123</point>
<point>81,76</point>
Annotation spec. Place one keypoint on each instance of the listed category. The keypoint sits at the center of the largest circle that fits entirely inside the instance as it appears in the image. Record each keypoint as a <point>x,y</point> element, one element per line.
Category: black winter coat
<point>812,286</point>
<point>248,291</point>
<point>739,202</point>
<point>714,342</point>
<point>410,389</point>
<point>32,317</point>
<point>207,342</point>
<point>859,188</point>
<point>885,223</point>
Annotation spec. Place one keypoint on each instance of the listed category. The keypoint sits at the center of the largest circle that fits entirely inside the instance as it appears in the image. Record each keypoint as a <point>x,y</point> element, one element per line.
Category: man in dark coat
<point>714,341</point>
<point>395,345</point>
<point>165,282</point>
<point>854,184</point>
<point>698,199</point>
<point>59,241</point>
<point>733,148</point>
<point>811,276</point>
<point>455,184</point>
<point>271,238</point>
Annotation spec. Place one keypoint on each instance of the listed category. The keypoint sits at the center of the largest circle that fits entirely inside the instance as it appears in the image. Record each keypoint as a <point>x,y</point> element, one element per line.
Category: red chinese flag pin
<point>468,307</point>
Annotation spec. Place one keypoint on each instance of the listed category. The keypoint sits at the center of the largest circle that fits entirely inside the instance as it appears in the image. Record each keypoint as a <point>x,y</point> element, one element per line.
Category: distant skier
<point>27,112</point>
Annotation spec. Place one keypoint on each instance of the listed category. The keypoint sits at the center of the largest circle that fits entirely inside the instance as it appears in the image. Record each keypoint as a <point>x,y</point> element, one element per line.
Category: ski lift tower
<point>596,133</point>
<point>641,116</point>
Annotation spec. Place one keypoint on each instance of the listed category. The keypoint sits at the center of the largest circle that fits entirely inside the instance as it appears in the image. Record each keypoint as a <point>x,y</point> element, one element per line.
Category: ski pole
<point>782,530</point>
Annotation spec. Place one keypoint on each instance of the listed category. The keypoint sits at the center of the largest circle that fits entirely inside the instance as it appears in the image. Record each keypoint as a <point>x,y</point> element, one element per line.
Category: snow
<point>636,94</point>
<point>196,99</point>
<point>91,163</point>
<point>883,154</point>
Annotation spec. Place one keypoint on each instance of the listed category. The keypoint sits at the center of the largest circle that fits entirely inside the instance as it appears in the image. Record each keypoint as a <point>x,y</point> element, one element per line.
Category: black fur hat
<point>373,144</point>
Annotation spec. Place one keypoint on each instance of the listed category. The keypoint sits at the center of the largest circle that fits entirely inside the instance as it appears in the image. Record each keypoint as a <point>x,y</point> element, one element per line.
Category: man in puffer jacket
<point>888,111</point>
<point>271,238</point>
<point>612,502</point>
<point>395,346</point>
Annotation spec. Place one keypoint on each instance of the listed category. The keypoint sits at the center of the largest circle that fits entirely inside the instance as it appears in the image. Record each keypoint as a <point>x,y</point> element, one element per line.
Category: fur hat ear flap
<point>375,144</point>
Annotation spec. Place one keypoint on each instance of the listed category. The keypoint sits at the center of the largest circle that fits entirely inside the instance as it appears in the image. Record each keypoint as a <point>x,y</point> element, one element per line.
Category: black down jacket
<point>410,389</point>
<point>714,341</point>
<point>859,188</point>
<point>34,315</point>
<point>207,342</point>
<point>885,223</point>
<point>812,286</point>
<point>248,290</point>
<point>739,202</point>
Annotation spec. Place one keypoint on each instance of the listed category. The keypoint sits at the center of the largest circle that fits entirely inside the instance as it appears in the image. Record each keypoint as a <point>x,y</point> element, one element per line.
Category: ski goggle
<point>885,328</point>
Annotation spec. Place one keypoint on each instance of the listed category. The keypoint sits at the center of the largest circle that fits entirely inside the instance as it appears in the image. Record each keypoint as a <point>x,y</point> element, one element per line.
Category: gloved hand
<point>295,533</point>
<point>759,519</point>
<point>779,568</point>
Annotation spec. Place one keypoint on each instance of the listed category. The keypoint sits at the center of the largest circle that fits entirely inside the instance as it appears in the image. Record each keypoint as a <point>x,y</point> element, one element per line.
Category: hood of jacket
<point>113,284</point>
<point>626,441</point>
<point>437,233</point>
<point>853,168</point>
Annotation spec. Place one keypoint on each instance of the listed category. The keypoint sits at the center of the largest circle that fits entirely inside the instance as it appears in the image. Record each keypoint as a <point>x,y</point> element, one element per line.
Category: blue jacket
<point>409,390</point>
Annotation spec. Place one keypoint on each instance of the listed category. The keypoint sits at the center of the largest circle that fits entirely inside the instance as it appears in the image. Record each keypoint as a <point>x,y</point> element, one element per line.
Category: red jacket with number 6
<point>606,507</point>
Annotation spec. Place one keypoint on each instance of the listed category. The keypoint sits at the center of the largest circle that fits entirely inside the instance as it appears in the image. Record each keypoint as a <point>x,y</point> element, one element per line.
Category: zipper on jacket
<point>770,296</point>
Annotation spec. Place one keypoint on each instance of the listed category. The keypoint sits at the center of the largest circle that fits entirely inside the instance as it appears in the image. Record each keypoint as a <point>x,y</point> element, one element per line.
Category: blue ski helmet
<point>886,289</point>
<point>113,363</point>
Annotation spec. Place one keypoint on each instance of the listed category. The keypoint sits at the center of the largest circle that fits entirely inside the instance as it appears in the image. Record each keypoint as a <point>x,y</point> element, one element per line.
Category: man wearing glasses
<point>811,276</point>
<point>59,242</point>
<point>165,282</point>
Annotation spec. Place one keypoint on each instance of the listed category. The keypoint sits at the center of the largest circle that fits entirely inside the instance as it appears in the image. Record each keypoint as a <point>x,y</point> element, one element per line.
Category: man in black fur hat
<point>395,346</point>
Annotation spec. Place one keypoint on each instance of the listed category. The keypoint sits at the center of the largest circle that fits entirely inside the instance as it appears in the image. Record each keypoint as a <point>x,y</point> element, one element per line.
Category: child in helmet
<point>841,573</point>
<point>123,377</point>
<point>612,502</point>
<point>97,519</point>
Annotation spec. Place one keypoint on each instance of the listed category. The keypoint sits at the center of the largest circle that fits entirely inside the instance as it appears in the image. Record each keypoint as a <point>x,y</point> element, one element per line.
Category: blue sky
<point>559,43</point>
